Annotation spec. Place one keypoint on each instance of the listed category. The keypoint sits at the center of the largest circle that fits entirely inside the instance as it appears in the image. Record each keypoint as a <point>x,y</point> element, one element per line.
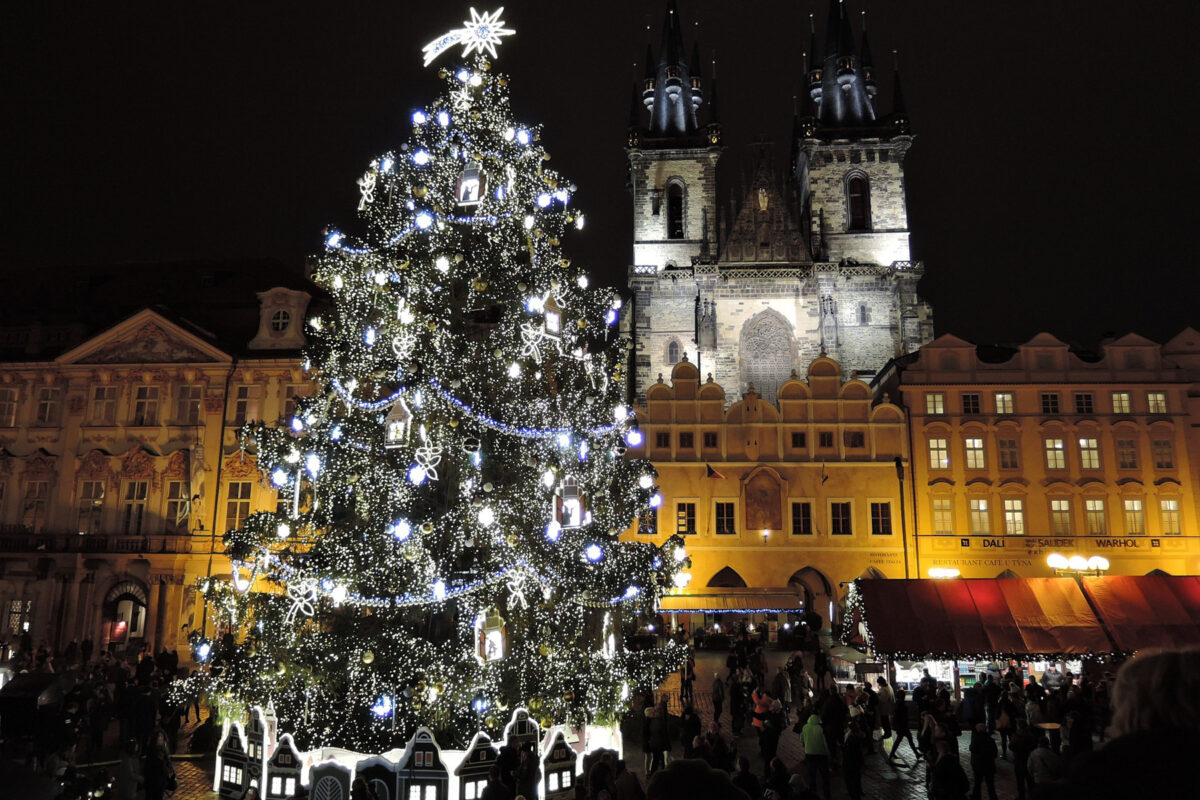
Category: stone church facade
<point>815,260</point>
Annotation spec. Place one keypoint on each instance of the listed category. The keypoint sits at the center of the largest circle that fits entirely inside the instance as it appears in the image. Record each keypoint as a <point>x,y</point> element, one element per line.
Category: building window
<point>685,517</point>
<point>246,404</point>
<point>145,406</point>
<point>280,321</point>
<point>799,440</point>
<point>675,211</point>
<point>48,405</point>
<point>104,405</point>
<point>1089,454</point>
<point>854,439</point>
<point>291,395</point>
<point>839,519</point>
<point>975,457</point>
<point>978,507</point>
<point>1168,511</point>
<point>648,522</point>
<point>1056,457</point>
<point>238,506</point>
<point>133,507</point>
<point>33,513</point>
<point>91,504</point>
<point>8,408</point>
<point>687,440</point>
<point>1050,403</point>
<point>939,454</point>
<point>881,519</point>
<point>1120,401</point>
<point>1135,517</point>
<point>1014,516</point>
<point>673,353</point>
<point>858,194</point>
<point>1084,403</point>
<point>935,403</point>
<point>724,513</point>
<point>1164,454</point>
<point>1093,512</point>
<point>187,405</point>
<point>176,512</point>
<point>970,403</point>
<point>825,440</point>
<point>862,315</point>
<point>802,518</point>
<point>1156,402</point>
<point>1060,517</point>
<point>1007,452</point>
<point>662,439</point>
<point>1127,454</point>
<point>20,615</point>
<point>943,516</point>
<point>1004,403</point>
<point>710,440</point>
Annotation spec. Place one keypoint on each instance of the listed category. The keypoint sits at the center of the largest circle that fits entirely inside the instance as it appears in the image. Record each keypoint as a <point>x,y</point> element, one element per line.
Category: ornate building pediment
<point>145,338</point>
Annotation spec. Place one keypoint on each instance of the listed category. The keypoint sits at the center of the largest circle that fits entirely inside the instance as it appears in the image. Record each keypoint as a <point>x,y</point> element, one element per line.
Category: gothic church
<point>814,261</point>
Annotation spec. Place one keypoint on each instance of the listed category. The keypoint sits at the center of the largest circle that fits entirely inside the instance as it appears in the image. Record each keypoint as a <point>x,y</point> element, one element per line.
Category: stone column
<point>152,615</point>
<point>172,614</point>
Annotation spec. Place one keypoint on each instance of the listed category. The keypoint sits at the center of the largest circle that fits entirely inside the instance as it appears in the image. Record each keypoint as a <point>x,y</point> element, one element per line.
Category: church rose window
<point>767,356</point>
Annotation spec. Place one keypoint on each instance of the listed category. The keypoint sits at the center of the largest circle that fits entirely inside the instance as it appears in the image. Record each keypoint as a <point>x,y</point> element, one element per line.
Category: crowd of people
<point>112,708</point>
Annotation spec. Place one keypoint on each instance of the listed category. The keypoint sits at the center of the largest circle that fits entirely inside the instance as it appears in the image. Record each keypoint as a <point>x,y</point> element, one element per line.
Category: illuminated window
<point>1127,457</point>
<point>970,403</point>
<point>980,524</point>
<point>8,408</point>
<point>238,504</point>
<point>1135,516</point>
<point>939,454</point>
<point>133,507</point>
<point>104,405</point>
<point>685,517</point>
<point>1050,403</point>
<point>1014,516</point>
<point>91,504</point>
<point>145,406</point>
<point>1156,402</point>
<point>724,512</point>
<point>1093,511</point>
<point>1004,403</point>
<point>1164,454</point>
<point>1120,401</point>
<point>839,519</point>
<point>802,518</point>
<point>1089,454</point>
<point>675,211</point>
<point>943,516</point>
<point>187,404</point>
<point>1168,512</point>
<point>881,519</point>
<point>1084,403</point>
<point>1006,450</point>
<point>48,405</point>
<point>1056,457</point>
<point>20,613</point>
<point>935,403</point>
<point>858,195</point>
<point>1060,517</point>
<point>975,457</point>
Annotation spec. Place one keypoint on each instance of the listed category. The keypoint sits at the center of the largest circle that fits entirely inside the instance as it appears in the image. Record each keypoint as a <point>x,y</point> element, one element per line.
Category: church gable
<point>765,228</point>
<point>144,338</point>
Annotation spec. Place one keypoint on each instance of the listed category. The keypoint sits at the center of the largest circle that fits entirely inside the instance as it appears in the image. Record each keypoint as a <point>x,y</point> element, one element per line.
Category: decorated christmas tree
<point>445,547</point>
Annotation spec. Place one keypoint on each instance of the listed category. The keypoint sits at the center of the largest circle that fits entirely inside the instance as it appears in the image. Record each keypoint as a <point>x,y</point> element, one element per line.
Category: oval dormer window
<point>280,321</point>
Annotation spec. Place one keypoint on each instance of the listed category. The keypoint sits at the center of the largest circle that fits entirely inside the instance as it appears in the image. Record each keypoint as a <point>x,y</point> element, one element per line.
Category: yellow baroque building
<point>120,464</point>
<point>1024,452</point>
<point>780,506</point>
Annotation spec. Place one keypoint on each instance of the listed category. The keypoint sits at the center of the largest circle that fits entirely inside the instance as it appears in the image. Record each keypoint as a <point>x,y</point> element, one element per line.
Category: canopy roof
<point>1001,617</point>
<point>743,601</point>
<point>1147,610</point>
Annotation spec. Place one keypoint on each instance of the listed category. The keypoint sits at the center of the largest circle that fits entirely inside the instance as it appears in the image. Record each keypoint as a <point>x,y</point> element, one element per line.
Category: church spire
<point>845,85</point>
<point>674,93</point>
<point>899,117</point>
<point>868,70</point>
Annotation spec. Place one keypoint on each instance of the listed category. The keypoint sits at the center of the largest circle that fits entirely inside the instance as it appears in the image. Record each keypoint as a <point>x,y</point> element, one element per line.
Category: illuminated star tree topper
<point>480,33</point>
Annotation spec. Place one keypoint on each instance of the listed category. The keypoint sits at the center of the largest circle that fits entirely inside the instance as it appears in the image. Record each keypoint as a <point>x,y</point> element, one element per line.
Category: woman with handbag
<point>158,776</point>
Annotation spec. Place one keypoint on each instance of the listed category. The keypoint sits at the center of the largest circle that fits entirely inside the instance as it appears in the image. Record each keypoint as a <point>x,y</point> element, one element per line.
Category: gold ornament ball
<point>503,81</point>
<point>281,669</point>
<point>582,323</point>
<point>420,191</point>
<point>368,656</point>
<point>453,423</point>
<point>426,527</point>
<point>544,649</point>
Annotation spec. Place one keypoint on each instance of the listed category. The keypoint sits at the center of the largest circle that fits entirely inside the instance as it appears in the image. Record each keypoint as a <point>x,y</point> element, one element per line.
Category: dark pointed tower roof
<point>899,118</point>
<point>674,92</point>
<point>843,88</point>
<point>714,116</point>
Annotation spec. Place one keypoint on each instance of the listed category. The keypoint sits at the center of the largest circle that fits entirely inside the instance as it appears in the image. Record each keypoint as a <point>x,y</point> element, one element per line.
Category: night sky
<point>1052,186</point>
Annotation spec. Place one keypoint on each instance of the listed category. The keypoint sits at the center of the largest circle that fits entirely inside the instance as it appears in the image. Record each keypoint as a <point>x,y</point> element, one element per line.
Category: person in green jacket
<point>816,753</point>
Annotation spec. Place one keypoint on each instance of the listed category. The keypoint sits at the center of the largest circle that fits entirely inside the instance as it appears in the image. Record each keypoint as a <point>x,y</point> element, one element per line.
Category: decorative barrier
<point>253,756</point>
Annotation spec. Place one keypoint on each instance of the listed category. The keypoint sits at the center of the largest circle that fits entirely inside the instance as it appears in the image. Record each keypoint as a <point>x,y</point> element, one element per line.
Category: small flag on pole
<point>824,477</point>
<point>712,473</point>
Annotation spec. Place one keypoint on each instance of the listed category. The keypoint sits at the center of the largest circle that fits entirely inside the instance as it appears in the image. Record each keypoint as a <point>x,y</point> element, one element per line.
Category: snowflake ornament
<point>303,595</point>
<point>366,187</point>
<point>428,456</point>
<point>479,34</point>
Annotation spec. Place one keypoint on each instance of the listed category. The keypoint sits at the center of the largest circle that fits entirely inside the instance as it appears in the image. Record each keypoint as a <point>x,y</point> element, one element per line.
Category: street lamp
<point>942,573</point>
<point>765,533</point>
<point>1077,564</point>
